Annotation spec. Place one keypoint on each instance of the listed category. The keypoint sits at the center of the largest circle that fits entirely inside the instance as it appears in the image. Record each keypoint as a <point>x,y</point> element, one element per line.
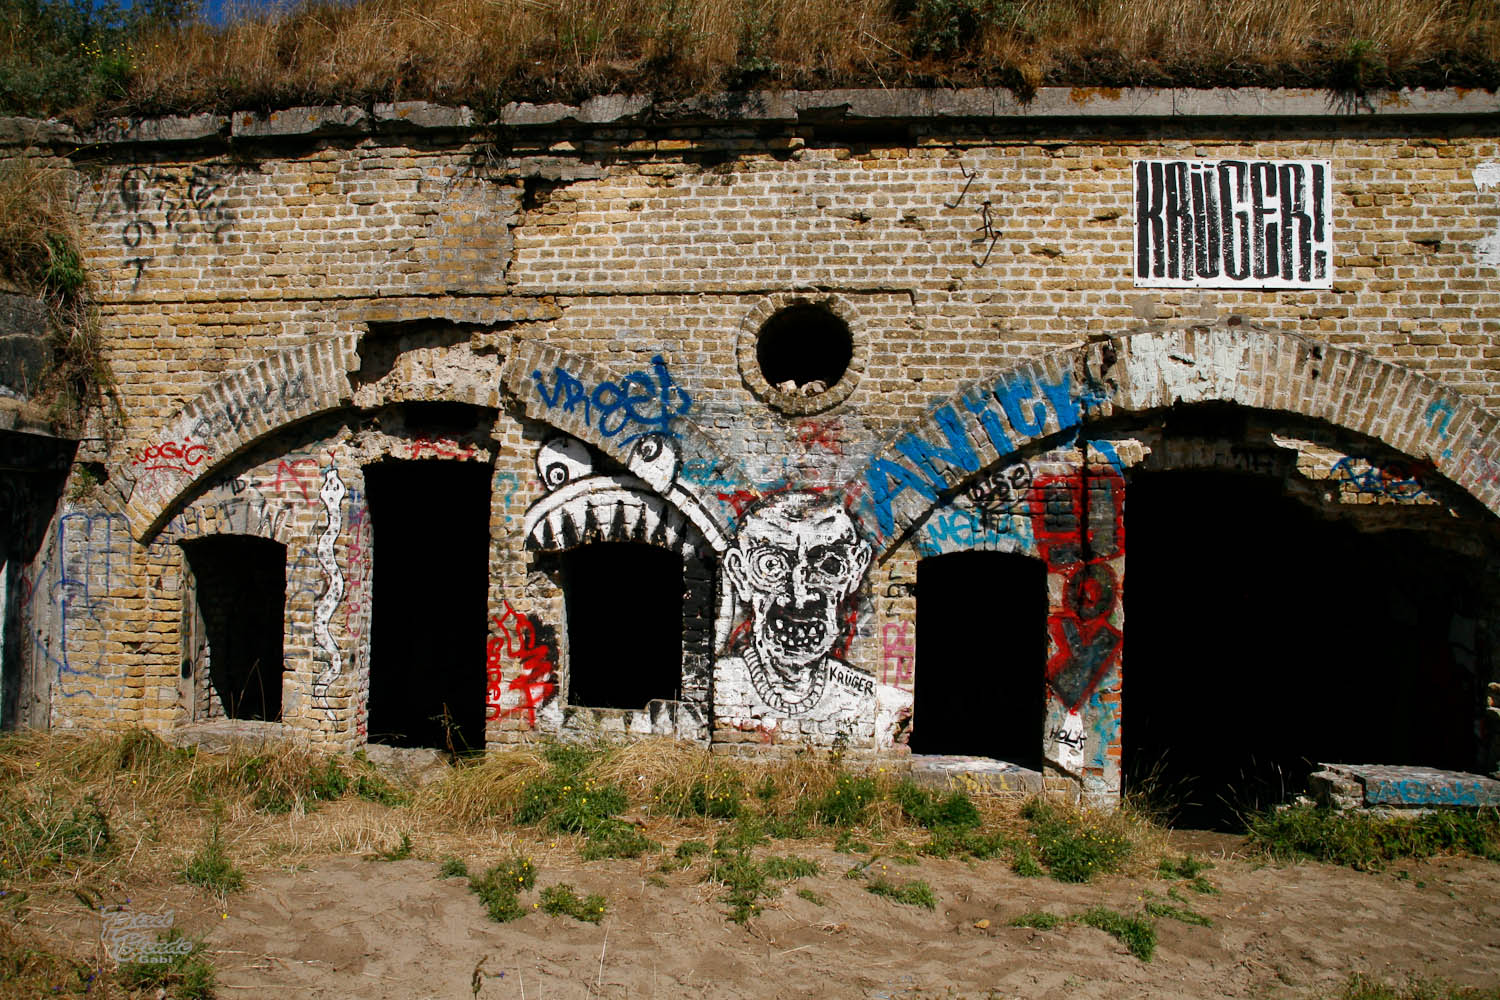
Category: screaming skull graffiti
<point>795,566</point>
<point>796,561</point>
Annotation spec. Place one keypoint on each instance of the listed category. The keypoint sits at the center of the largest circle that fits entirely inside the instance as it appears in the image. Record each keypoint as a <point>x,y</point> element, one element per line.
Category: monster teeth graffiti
<point>798,632</point>
<point>332,495</point>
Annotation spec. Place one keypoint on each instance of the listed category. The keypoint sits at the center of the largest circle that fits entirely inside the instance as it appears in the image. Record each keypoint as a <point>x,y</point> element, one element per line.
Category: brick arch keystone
<point>1232,361</point>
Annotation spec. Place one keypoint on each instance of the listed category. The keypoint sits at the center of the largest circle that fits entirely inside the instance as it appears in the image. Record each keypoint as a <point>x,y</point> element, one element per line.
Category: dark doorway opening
<point>430,540</point>
<point>234,642</point>
<point>981,657</point>
<point>1260,638</point>
<point>625,625</point>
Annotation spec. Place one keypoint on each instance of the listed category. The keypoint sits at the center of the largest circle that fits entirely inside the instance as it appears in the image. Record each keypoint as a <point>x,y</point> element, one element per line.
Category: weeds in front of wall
<point>747,881</point>
<point>500,888</point>
<point>211,868</point>
<point>916,893</point>
<point>1137,934</point>
<point>956,811</point>
<point>400,852</point>
<point>185,976</point>
<point>1182,914</point>
<point>562,900</point>
<point>38,837</point>
<point>1075,846</point>
<point>1362,987</point>
<point>1189,868</point>
<point>1369,843</point>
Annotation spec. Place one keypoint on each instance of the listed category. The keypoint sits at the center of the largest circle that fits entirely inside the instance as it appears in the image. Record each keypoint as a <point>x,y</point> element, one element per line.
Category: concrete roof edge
<point>791,106</point>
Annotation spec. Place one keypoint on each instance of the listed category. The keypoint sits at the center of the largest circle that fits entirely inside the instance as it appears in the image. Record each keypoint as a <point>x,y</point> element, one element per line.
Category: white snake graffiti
<point>332,495</point>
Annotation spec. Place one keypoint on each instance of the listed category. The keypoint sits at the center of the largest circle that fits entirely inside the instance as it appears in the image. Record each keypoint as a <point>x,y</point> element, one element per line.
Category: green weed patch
<point>1135,933</point>
<point>912,893</point>
<point>1369,843</point>
<point>561,900</point>
<point>500,888</point>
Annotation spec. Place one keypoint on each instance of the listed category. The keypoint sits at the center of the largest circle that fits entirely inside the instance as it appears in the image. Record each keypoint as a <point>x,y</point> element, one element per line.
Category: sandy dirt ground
<point>355,927</point>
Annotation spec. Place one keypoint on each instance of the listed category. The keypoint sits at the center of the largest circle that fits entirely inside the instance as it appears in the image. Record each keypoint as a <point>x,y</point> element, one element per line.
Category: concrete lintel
<point>1415,787</point>
<point>174,128</point>
<point>792,106</point>
<point>333,120</point>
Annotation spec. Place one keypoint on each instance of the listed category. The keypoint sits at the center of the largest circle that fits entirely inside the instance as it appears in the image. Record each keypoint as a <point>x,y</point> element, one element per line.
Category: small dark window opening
<point>625,624</point>
<point>429,523</point>
<point>239,595</point>
<point>804,344</point>
<point>980,679</point>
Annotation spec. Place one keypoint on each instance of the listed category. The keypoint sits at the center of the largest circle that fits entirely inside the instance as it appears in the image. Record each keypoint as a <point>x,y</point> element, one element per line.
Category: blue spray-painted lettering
<point>650,400</point>
<point>87,549</point>
<point>1048,401</point>
<point>1433,409</point>
<point>953,530</point>
<point>958,454</point>
<point>886,481</point>
<point>978,405</point>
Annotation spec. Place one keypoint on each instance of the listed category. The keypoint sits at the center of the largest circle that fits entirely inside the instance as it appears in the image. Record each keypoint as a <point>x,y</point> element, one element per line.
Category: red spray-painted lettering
<point>517,642</point>
<point>1080,531</point>
<point>171,456</point>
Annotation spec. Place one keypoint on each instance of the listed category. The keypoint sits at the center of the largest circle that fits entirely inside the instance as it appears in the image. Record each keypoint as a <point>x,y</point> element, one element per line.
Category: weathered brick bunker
<point>786,420</point>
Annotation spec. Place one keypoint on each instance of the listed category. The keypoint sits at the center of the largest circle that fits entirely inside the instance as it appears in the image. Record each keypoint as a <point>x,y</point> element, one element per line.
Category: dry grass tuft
<point>40,236</point>
<point>487,53</point>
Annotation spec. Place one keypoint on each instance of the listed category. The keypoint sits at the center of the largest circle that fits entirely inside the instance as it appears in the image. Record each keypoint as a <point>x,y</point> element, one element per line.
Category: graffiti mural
<point>519,641</point>
<point>1078,522</point>
<point>1392,480</point>
<point>795,563</point>
<point>792,573</point>
<point>1219,224</point>
<point>1017,407</point>
<point>645,402</point>
<point>649,503</point>
<point>332,495</point>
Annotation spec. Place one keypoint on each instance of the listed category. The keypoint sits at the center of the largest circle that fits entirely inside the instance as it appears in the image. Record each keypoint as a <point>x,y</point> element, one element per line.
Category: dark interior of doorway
<point>1260,638</point>
<point>625,627</point>
<point>430,541</point>
<point>981,657</point>
<point>239,584</point>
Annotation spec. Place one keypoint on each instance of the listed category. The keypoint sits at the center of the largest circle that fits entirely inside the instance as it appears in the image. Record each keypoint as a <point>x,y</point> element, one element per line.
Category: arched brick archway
<point>923,467</point>
<point>1235,362</point>
<point>288,387</point>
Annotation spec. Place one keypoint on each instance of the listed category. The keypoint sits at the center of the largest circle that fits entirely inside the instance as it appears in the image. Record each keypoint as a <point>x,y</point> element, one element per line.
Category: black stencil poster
<point>1233,224</point>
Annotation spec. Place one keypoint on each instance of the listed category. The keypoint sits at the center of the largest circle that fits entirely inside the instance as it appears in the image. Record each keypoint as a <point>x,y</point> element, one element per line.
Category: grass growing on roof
<point>157,56</point>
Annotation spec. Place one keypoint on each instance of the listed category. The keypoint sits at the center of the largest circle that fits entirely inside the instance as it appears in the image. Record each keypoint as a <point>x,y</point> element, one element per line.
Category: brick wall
<point>277,302</point>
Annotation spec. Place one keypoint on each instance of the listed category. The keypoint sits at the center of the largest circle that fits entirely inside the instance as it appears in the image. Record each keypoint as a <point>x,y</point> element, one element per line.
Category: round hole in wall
<point>801,353</point>
<point>804,350</point>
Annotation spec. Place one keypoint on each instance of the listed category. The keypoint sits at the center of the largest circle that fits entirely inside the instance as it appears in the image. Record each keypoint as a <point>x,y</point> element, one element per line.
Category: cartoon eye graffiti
<point>829,564</point>
<point>770,567</point>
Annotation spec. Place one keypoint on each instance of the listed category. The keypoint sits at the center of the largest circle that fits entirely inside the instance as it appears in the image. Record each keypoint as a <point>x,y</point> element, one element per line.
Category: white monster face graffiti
<point>796,560</point>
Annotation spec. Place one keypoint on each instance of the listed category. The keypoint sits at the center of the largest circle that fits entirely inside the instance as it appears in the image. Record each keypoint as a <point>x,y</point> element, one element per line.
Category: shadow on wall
<point>1260,638</point>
